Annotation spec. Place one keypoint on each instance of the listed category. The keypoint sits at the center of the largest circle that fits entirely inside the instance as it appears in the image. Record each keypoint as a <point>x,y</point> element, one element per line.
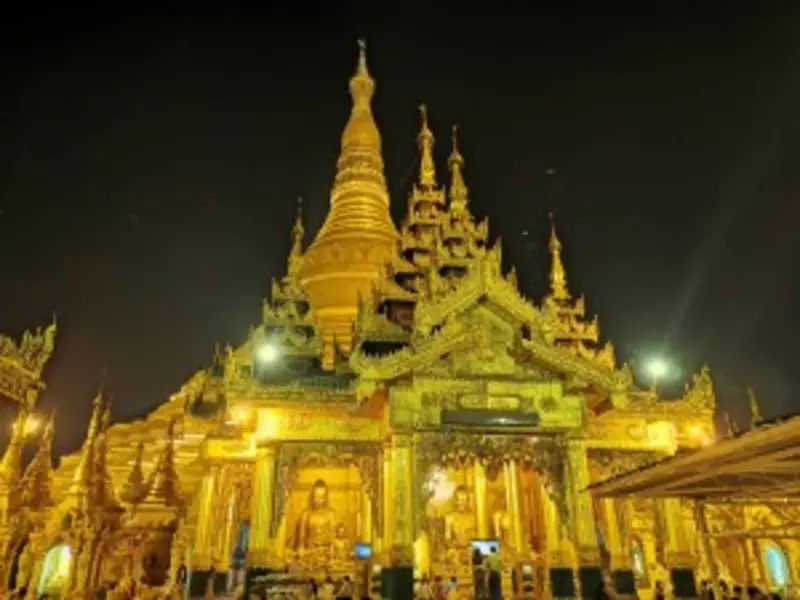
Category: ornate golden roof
<point>21,364</point>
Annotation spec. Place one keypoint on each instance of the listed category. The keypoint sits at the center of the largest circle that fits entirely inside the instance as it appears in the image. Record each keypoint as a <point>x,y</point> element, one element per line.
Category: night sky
<point>149,166</point>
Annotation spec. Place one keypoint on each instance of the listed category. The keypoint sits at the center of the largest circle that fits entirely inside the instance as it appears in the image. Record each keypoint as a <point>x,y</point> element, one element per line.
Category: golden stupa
<point>399,401</point>
<point>358,237</point>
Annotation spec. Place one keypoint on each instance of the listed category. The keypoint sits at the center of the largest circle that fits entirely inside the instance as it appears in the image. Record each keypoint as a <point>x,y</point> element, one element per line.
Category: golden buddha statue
<point>459,524</point>
<point>341,550</point>
<point>317,522</point>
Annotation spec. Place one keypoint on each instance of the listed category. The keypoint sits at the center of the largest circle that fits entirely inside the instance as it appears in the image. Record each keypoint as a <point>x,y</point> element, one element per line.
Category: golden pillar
<point>479,485</point>
<point>201,557</point>
<point>620,556</point>
<point>388,499</point>
<point>677,550</point>
<point>366,517</point>
<point>514,509</point>
<point>260,548</point>
<point>583,513</point>
<point>225,549</point>
<point>403,491</point>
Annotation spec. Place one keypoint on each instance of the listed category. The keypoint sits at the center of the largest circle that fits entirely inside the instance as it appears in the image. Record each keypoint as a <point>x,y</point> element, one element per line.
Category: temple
<point>400,403</point>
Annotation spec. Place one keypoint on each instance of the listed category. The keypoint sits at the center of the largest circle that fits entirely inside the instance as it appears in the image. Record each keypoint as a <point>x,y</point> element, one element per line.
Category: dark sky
<point>149,165</point>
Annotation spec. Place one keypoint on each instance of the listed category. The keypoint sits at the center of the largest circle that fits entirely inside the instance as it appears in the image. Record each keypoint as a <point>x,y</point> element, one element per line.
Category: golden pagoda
<point>399,404</point>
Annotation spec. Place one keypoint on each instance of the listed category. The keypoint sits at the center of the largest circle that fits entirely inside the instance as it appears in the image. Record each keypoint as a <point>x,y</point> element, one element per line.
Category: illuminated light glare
<point>701,435</point>
<point>268,353</point>
<point>439,487</point>
<point>240,414</point>
<point>32,425</point>
<point>657,368</point>
<point>269,425</point>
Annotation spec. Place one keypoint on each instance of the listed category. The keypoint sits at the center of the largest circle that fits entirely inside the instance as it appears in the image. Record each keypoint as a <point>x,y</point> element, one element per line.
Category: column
<point>585,528</point>
<point>479,487</point>
<point>560,555</point>
<point>366,517</point>
<point>402,489</point>
<point>677,550</point>
<point>259,552</point>
<point>204,538</point>
<point>201,557</point>
<point>620,552</point>
<point>705,545</point>
<point>227,539</point>
<point>514,508</point>
<point>388,500</point>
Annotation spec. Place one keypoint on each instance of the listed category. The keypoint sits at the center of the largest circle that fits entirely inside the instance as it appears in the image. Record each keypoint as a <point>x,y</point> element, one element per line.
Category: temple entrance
<point>327,506</point>
<point>777,566</point>
<point>55,570</point>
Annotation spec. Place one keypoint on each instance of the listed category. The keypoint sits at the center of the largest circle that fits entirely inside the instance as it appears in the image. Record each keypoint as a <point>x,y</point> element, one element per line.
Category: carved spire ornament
<point>10,466</point>
<point>426,141</point>
<point>82,478</point>
<point>37,484</point>
<point>163,486</point>
<point>755,408</point>
<point>135,487</point>
<point>458,193</point>
<point>558,275</point>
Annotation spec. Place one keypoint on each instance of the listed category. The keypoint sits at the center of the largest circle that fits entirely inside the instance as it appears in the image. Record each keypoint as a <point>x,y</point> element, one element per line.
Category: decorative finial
<point>136,487</point>
<point>298,231</point>
<point>458,193</point>
<point>558,275</point>
<point>163,486</point>
<point>427,167</point>
<point>362,86</point>
<point>755,408</point>
<point>37,482</point>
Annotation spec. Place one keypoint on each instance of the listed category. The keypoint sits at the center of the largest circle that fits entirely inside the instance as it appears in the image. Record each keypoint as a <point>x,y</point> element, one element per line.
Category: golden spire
<point>102,487</point>
<point>298,232</point>
<point>37,483</point>
<point>136,487</point>
<point>755,408</point>
<point>11,464</point>
<point>458,193</point>
<point>163,486</point>
<point>427,167</point>
<point>558,275</point>
<point>82,478</point>
<point>358,237</point>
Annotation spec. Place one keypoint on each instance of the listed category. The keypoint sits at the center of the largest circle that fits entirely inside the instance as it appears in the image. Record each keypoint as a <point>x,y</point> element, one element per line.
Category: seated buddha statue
<point>315,529</point>
<point>341,548</point>
<point>459,523</point>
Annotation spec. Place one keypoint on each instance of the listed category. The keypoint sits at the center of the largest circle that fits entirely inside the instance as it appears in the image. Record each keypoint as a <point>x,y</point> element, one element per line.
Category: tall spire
<point>357,239</point>
<point>458,193</point>
<point>558,275</point>
<point>163,486</point>
<point>427,167</point>
<point>82,478</point>
<point>37,483</point>
<point>136,487</point>
<point>298,233</point>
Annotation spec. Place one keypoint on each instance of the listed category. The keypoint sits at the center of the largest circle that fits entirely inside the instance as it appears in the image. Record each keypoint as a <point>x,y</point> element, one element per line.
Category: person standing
<point>495,578</point>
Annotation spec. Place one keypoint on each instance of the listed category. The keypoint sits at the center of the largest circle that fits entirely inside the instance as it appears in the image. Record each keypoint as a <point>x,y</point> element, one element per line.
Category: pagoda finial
<point>558,275</point>
<point>298,232</point>
<point>362,85</point>
<point>135,487</point>
<point>82,477</point>
<point>755,408</point>
<point>458,193</point>
<point>37,482</point>
<point>427,166</point>
<point>163,485</point>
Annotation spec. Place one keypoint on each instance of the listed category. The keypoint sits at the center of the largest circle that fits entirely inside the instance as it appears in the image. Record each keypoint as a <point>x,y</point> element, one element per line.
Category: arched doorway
<point>777,566</point>
<point>55,570</point>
